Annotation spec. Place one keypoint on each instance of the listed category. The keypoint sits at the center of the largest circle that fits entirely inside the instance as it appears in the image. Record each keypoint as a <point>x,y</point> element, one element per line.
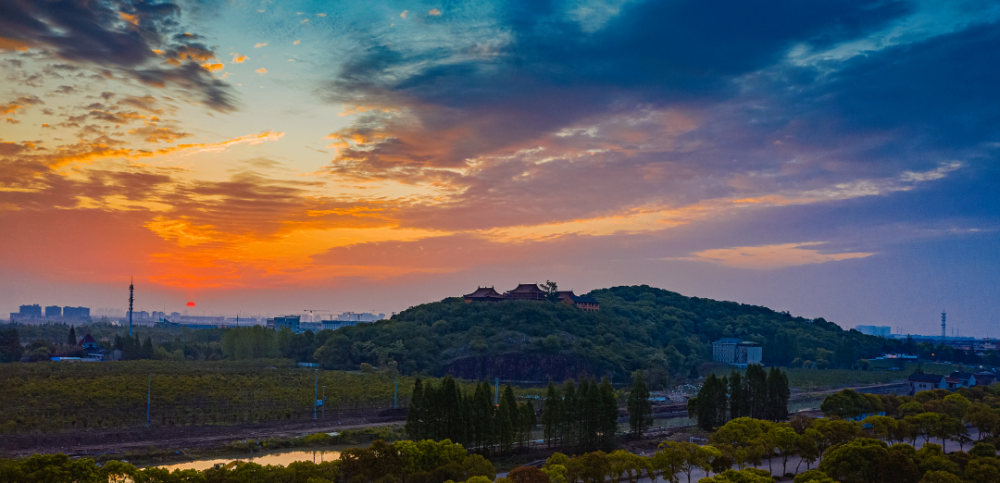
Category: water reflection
<point>279,458</point>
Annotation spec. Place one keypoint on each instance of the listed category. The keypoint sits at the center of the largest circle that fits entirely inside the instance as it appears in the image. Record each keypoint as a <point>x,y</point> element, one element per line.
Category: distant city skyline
<point>831,159</point>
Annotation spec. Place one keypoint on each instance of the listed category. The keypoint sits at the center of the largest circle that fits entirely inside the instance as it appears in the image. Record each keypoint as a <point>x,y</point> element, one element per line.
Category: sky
<point>830,158</point>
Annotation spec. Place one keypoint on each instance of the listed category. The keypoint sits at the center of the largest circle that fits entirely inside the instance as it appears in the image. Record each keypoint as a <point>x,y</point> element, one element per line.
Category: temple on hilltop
<point>526,291</point>
<point>484,294</point>
<point>530,291</point>
<point>588,304</point>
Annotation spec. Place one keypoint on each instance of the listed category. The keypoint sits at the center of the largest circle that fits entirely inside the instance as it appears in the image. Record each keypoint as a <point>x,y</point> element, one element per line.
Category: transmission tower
<point>944,333</point>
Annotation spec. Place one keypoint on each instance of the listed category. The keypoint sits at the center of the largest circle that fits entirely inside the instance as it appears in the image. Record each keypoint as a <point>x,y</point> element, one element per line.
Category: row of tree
<point>584,417</point>
<point>444,411</point>
<point>757,394</point>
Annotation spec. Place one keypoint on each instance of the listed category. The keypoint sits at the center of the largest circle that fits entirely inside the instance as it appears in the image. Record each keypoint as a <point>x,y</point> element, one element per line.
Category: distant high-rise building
<point>290,321</point>
<point>76,312</point>
<point>53,311</point>
<point>876,330</point>
<point>31,311</point>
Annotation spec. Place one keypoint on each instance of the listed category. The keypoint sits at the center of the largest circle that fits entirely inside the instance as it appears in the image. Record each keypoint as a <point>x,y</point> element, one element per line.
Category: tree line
<point>757,394</point>
<point>444,411</point>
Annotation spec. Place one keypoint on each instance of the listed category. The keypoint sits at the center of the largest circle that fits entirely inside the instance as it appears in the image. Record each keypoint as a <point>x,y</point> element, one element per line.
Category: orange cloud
<point>13,44</point>
<point>212,67</point>
<point>771,256</point>
<point>259,45</point>
<point>261,71</point>
<point>132,19</point>
<point>239,59</point>
<point>434,12</point>
<point>21,103</point>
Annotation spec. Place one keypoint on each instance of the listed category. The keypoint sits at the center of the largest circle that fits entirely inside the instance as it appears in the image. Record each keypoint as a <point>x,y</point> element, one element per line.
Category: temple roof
<point>527,288</point>
<point>484,292</point>
<point>87,339</point>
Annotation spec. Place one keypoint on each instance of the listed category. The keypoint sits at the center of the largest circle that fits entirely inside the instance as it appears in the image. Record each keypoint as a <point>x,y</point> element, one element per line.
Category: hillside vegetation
<point>638,327</point>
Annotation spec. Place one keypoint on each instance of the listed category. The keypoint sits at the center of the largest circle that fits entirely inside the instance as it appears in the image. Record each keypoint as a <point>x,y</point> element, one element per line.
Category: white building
<point>876,330</point>
<point>736,352</point>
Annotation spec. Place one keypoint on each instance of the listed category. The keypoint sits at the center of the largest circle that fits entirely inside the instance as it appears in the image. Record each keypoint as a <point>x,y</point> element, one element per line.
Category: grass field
<point>819,379</point>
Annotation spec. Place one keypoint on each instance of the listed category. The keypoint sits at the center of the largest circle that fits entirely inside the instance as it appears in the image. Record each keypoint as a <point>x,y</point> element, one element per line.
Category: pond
<point>276,457</point>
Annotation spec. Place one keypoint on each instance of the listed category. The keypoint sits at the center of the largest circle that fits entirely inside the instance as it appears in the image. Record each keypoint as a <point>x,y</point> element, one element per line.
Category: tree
<point>527,474</point>
<point>940,477</point>
<point>71,337</point>
<point>709,406</point>
<point>147,348</point>
<point>778,394</point>
<point>414,424</point>
<point>640,409</point>
<point>813,476</point>
<point>749,475</point>
<point>855,462</point>
<point>624,463</point>
<point>785,439</point>
<point>757,391</point>
<point>551,414</point>
<point>738,407</point>
<point>551,291</point>
<point>684,457</point>
<point>11,349</point>
<point>983,470</point>
<point>507,420</point>
<point>740,440</point>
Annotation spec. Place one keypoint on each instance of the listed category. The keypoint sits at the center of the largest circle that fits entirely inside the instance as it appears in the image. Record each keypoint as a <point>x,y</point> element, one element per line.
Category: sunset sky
<point>829,158</point>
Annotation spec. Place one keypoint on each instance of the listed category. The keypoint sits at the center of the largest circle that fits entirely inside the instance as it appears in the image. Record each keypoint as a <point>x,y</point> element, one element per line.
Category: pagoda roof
<point>484,292</point>
<point>87,339</point>
<point>526,288</point>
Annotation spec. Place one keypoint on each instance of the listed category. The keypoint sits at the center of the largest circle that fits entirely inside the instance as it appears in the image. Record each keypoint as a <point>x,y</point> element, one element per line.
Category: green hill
<point>638,327</point>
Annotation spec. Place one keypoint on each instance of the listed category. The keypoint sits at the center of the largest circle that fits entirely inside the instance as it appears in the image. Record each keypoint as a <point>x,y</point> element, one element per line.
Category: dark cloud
<point>553,73</point>
<point>124,34</point>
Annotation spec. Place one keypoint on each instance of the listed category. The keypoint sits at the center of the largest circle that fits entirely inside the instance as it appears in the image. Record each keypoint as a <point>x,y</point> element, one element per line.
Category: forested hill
<point>638,327</point>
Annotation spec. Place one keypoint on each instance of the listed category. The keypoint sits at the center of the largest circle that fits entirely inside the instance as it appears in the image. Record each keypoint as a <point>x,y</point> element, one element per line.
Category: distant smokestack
<point>944,325</point>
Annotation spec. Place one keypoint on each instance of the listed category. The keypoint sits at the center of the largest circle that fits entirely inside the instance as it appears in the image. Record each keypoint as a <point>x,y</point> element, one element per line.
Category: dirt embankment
<point>101,441</point>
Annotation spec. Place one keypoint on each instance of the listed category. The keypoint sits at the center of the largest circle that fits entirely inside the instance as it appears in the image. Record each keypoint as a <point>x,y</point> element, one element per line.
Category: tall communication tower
<point>944,334</point>
<point>131,289</point>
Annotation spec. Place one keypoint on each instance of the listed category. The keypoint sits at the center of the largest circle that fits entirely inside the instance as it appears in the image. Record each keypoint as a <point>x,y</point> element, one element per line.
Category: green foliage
<point>757,394</point>
<point>848,403</point>
<point>749,475</point>
<point>584,418</point>
<point>637,328</point>
<point>11,349</point>
<point>640,409</point>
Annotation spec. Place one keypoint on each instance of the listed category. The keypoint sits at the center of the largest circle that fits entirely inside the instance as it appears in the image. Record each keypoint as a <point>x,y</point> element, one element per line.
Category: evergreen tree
<point>507,420</point>
<point>709,406</point>
<point>640,408</point>
<point>571,415</point>
<point>778,394</point>
<point>526,422</point>
<point>413,427</point>
<point>756,394</point>
<point>11,349</point>
<point>71,337</point>
<point>551,414</point>
<point>147,348</point>
<point>738,407</point>
<point>608,421</point>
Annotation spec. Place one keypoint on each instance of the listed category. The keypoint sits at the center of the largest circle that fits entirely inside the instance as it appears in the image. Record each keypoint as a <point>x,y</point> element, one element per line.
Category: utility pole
<point>316,394</point>
<point>324,402</point>
<point>131,289</point>
<point>149,391</point>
